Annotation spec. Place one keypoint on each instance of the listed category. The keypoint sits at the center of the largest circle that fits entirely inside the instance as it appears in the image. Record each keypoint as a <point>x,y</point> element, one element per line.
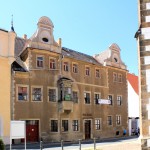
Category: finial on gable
<point>12,28</point>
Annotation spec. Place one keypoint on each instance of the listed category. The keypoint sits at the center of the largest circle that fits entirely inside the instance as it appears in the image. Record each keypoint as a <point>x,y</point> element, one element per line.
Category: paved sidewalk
<point>123,145</point>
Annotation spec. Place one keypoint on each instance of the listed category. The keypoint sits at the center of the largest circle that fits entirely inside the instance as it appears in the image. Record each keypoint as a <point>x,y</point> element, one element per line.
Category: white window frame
<point>36,86</point>
<point>118,116</point>
<point>85,96</point>
<point>37,61</point>
<point>53,88</point>
<point>22,85</point>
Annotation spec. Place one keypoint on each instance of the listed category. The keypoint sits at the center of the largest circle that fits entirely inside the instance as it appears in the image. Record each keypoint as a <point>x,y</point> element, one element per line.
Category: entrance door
<point>87,129</point>
<point>32,130</point>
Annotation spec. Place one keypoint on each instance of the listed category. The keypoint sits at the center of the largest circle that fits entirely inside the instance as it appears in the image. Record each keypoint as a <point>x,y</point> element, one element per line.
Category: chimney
<point>59,42</point>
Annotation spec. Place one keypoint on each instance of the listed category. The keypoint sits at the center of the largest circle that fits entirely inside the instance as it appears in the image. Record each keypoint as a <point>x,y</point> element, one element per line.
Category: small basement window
<point>45,39</point>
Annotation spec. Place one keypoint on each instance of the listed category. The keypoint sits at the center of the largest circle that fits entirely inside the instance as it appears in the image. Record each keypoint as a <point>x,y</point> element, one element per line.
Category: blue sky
<point>87,26</point>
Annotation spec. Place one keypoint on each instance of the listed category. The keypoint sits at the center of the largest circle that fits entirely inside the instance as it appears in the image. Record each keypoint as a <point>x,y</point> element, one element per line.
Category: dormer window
<point>45,39</point>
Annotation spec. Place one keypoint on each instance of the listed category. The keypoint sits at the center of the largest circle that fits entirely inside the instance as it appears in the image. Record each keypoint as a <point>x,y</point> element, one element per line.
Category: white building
<point>133,102</point>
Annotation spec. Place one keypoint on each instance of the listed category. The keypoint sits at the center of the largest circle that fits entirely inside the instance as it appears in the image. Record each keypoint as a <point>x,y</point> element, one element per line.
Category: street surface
<point>124,143</point>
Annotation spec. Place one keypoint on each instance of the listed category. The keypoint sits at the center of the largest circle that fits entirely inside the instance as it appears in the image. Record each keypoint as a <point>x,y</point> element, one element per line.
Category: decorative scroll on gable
<point>111,57</point>
<point>43,37</point>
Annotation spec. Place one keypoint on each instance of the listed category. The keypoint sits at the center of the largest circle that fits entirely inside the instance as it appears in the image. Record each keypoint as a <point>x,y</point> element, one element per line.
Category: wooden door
<point>87,129</point>
<point>32,132</point>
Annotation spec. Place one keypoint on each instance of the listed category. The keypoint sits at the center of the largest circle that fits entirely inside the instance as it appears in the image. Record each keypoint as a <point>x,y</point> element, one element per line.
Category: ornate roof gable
<point>111,57</point>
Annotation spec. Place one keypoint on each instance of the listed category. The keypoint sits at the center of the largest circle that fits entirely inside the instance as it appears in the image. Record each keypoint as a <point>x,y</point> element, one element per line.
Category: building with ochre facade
<point>65,94</point>
<point>7,42</point>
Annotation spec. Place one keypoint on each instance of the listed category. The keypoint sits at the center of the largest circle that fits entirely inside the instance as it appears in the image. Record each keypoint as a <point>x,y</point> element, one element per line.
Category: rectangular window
<point>109,120</point>
<point>67,93</point>
<point>52,63</point>
<point>75,68</point>
<point>40,60</point>
<point>111,99</point>
<point>97,124</point>
<point>75,125</point>
<point>52,95</point>
<point>87,71</point>
<point>65,125</point>
<point>54,125</point>
<point>22,93</point>
<point>87,98</point>
<point>115,77</point>
<point>66,66</point>
<point>119,100</point>
<point>118,120</point>
<point>96,97</point>
<point>119,77</point>
<point>97,73</point>
<point>75,97</point>
<point>36,94</point>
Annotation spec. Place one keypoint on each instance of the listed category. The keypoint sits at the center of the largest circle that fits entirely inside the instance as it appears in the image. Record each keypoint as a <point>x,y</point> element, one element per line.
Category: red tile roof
<point>133,79</point>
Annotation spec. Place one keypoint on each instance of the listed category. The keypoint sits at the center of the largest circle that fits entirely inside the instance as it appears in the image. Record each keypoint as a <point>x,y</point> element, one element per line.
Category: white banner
<point>104,101</point>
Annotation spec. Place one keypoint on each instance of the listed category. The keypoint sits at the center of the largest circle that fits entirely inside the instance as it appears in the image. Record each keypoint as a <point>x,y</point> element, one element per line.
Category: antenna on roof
<point>12,28</point>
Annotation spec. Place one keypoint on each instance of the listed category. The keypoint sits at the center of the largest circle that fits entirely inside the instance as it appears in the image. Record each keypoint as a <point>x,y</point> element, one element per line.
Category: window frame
<point>57,129</point>
<point>40,61</point>
<point>109,120</point>
<point>96,100</point>
<point>89,98</point>
<point>110,99</point>
<point>53,65</point>
<point>76,100</point>
<point>119,77</point>
<point>97,124</point>
<point>119,100</point>
<point>118,120</point>
<point>97,74</point>
<point>17,92</point>
<point>75,68</point>
<point>75,127</point>
<point>41,87</point>
<point>115,77</point>
<point>66,66</point>
<point>56,94</point>
<point>87,70</point>
<point>63,121</point>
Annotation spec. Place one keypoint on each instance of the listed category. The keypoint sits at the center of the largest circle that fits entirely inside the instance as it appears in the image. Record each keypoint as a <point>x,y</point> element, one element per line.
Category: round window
<point>45,39</point>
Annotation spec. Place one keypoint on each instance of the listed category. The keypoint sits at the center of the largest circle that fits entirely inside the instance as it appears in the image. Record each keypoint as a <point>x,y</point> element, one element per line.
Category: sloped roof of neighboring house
<point>19,44</point>
<point>79,56</point>
<point>133,80</point>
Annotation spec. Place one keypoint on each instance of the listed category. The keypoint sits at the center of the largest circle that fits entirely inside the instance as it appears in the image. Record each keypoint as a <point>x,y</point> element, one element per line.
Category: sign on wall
<point>104,101</point>
<point>17,131</point>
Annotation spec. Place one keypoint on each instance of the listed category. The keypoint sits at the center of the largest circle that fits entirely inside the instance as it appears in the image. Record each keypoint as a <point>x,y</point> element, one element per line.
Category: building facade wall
<point>44,111</point>
<point>6,58</point>
<point>143,40</point>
